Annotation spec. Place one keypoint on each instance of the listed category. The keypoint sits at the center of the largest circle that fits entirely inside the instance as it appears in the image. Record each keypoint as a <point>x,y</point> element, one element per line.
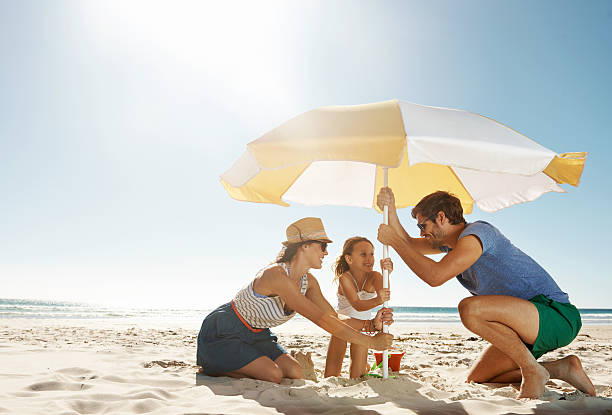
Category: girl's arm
<point>319,311</point>
<point>350,292</point>
<point>378,286</point>
<point>383,293</point>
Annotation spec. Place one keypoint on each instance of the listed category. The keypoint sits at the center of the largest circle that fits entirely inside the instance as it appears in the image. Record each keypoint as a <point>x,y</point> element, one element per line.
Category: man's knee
<point>476,378</point>
<point>480,373</point>
<point>469,310</point>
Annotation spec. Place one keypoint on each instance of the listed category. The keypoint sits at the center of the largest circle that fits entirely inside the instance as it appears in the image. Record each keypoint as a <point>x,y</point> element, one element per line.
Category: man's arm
<point>467,251</point>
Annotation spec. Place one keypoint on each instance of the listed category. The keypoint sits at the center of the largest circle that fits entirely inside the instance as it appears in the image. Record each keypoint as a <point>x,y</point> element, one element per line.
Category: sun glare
<point>228,48</point>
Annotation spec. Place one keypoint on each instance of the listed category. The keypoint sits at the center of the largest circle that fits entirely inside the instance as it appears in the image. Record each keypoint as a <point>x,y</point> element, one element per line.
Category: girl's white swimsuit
<point>345,308</point>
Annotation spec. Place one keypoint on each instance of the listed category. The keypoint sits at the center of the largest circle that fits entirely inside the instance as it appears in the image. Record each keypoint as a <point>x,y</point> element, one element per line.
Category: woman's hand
<point>384,315</point>
<point>384,294</point>
<point>387,264</point>
<point>381,341</point>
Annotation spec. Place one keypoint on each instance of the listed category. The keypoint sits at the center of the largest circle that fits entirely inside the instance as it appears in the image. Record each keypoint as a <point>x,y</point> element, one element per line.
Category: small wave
<point>39,309</point>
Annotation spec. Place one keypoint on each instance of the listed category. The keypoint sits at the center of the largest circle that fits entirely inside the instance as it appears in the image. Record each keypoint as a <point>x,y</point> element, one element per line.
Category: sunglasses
<point>323,246</point>
<point>421,225</point>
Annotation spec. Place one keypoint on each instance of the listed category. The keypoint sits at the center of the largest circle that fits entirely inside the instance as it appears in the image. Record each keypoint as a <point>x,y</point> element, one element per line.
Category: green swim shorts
<point>559,325</point>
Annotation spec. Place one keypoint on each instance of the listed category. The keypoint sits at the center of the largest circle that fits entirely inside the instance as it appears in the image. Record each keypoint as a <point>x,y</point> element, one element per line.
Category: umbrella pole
<point>385,357</point>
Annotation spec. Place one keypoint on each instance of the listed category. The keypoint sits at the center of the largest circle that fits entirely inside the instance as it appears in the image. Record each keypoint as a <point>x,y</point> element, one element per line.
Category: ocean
<point>43,309</point>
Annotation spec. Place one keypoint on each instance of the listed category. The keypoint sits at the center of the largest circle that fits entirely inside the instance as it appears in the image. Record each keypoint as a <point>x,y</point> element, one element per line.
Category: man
<point>516,305</point>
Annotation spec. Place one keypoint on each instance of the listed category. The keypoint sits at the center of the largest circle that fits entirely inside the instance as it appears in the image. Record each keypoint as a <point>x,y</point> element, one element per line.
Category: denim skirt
<point>226,344</point>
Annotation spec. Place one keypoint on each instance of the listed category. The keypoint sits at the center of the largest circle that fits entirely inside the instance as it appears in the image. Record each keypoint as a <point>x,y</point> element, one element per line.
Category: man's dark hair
<point>431,204</point>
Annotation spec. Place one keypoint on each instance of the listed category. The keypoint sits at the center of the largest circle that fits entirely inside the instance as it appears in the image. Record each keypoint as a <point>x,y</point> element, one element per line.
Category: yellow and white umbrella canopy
<point>336,155</point>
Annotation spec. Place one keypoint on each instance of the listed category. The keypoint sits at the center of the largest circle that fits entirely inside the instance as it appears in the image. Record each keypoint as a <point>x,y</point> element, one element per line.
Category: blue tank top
<point>503,269</point>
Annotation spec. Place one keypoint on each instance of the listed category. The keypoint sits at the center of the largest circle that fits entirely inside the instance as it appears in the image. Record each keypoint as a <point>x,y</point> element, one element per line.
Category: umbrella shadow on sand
<point>374,396</point>
<point>332,395</point>
<point>574,403</point>
<point>556,401</point>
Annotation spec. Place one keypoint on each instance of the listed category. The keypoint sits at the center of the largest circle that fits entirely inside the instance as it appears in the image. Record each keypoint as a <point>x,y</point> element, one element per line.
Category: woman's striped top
<point>261,311</point>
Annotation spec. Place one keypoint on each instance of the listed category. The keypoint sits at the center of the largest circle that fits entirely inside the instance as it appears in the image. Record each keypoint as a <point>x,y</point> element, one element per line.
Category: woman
<point>235,339</point>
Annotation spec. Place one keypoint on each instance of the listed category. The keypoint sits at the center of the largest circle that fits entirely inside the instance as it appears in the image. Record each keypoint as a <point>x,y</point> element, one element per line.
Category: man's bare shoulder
<point>469,242</point>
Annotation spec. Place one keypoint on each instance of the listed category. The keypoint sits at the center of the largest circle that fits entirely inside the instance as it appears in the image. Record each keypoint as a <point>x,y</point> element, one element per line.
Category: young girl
<point>359,290</point>
<point>235,339</point>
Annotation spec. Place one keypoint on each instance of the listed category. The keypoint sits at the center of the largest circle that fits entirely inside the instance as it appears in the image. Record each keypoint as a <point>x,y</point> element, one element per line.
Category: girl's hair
<point>341,266</point>
<point>289,251</point>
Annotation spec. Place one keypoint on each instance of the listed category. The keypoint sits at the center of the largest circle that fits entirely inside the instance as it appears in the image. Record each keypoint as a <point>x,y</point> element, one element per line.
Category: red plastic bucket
<point>395,357</point>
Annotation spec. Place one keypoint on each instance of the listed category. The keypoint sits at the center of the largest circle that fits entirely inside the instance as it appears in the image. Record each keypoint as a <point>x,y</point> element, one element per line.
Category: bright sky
<point>117,117</point>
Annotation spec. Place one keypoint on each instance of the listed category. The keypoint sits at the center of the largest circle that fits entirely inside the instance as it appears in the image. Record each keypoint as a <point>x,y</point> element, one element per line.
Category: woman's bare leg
<point>289,366</point>
<point>262,368</point>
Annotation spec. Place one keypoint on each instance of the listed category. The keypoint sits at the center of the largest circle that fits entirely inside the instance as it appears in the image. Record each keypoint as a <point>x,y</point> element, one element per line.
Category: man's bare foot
<point>569,369</point>
<point>534,379</point>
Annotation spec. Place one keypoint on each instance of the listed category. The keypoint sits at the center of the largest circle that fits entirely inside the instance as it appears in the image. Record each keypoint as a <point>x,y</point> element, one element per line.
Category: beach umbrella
<point>343,155</point>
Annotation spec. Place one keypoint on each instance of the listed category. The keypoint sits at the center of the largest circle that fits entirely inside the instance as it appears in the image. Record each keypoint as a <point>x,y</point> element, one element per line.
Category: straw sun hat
<point>306,229</point>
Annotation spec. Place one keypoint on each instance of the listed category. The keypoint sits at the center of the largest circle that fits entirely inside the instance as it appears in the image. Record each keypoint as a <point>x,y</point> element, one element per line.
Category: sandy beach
<point>95,366</point>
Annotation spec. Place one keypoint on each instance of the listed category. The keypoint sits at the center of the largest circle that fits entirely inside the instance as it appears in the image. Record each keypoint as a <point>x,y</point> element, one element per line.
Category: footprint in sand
<point>57,386</point>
